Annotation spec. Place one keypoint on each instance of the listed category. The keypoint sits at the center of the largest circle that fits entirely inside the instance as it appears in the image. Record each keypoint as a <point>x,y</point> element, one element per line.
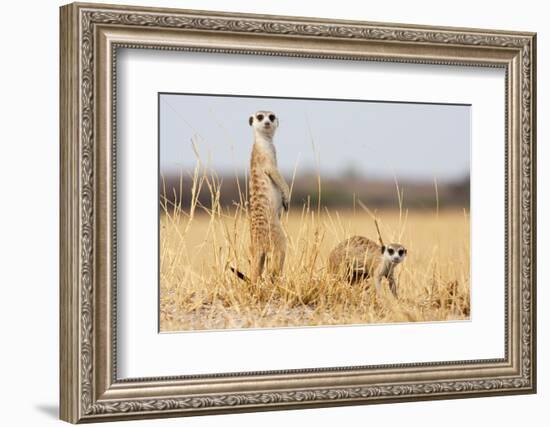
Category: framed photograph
<point>266,212</point>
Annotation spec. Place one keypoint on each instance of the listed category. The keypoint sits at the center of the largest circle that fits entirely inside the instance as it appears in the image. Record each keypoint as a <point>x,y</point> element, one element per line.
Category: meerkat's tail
<point>239,274</point>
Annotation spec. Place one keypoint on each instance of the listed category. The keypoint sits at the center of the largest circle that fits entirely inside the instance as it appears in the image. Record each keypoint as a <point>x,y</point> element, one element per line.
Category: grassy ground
<point>198,291</point>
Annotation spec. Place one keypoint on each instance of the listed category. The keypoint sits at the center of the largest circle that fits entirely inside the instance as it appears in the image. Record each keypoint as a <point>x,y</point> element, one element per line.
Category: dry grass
<point>198,244</point>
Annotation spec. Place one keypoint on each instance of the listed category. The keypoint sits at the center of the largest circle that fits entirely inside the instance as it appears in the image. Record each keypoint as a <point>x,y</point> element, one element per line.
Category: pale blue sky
<point>378,139</point>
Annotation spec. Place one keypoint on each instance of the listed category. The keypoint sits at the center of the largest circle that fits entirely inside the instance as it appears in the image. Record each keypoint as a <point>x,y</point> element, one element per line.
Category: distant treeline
<point>335,192</point>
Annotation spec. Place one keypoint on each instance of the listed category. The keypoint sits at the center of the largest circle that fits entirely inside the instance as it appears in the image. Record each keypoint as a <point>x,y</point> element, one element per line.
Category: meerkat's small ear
<point>383,248</point>
<point>250,120</point>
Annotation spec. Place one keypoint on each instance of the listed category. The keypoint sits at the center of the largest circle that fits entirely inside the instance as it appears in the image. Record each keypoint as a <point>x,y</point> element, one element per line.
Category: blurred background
<point>360,149</point>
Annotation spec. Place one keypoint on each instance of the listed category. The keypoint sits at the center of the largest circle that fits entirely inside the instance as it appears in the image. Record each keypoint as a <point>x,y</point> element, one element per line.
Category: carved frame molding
<point>90,36</point>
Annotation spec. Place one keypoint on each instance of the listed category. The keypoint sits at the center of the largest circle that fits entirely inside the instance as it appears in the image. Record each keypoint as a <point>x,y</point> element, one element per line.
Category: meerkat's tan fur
<point>358,258</point>
<point>269,195</point>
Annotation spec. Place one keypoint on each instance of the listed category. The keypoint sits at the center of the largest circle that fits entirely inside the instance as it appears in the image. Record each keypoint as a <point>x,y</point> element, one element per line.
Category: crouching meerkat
<point>268,196</point>
<point>359,258</point>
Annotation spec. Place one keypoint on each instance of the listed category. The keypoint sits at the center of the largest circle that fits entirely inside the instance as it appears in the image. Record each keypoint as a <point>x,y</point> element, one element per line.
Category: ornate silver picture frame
<point>91,36</point>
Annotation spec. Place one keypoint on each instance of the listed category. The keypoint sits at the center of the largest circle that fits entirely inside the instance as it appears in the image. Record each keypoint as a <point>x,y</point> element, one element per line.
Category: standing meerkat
<point>269,195</point>
<point>359,258</point>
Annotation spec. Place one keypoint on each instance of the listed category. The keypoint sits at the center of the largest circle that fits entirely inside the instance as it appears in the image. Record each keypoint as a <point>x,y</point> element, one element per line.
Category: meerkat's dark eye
<point>390,251</point>
<point>272,117</point>
<point>260,117</point>
<point>401,252</point>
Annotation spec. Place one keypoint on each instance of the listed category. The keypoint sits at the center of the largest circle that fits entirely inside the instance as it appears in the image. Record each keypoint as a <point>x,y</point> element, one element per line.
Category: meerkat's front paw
<point>285,202</point>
